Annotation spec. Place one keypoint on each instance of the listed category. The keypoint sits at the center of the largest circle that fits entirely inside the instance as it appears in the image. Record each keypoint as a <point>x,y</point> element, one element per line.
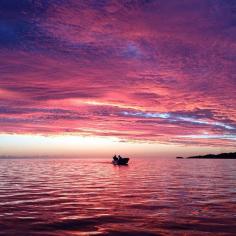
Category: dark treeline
<point>231,155</point>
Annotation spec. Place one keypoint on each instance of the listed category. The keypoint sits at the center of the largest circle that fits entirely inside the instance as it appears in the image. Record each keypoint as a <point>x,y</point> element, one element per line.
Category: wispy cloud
<point>211,136</point>
<point>178,118</point>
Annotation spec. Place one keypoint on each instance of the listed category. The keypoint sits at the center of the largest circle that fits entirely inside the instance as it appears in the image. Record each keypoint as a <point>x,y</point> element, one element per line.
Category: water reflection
<point>90,197</point>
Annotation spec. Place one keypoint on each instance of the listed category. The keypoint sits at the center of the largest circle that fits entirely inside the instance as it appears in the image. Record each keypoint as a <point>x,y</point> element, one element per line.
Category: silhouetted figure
<point>115,158</point>
<point>119,157</point>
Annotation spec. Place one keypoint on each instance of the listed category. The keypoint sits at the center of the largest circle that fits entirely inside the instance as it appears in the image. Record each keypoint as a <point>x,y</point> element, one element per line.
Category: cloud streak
<point>178,118</point>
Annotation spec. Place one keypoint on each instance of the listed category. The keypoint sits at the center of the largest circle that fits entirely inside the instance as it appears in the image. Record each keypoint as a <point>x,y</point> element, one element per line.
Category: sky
<point>136,77</point>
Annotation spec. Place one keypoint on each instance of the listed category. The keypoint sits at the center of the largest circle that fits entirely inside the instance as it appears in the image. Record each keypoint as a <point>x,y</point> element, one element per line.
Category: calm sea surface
<point>93,197</point>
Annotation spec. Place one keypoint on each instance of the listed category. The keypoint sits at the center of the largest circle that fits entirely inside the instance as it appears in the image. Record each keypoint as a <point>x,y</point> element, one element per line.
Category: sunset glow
<point>98,77</point>
<point>117,117</point>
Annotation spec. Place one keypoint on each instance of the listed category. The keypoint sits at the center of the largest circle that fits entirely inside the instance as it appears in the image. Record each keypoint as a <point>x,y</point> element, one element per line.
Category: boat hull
<point>123,161</point>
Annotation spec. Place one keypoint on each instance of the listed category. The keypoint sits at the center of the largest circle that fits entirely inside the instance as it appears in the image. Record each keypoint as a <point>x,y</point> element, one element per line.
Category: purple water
<point>93,197</point>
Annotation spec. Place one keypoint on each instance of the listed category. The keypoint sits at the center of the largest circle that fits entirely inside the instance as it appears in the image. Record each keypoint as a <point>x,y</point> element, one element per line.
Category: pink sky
<point>160,72</point>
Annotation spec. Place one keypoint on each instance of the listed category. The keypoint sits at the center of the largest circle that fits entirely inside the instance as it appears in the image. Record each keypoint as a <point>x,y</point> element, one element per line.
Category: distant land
<point>231,155</point>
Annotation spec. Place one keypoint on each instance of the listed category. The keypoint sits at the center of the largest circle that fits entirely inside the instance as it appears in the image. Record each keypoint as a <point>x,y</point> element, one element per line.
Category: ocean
<point>93,197</point>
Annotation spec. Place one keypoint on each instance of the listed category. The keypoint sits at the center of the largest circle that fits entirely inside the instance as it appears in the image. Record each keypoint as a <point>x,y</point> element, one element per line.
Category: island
<point>231,155</point>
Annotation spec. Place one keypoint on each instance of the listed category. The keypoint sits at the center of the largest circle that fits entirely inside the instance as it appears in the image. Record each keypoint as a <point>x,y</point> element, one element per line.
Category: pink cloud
<point>86,64</point>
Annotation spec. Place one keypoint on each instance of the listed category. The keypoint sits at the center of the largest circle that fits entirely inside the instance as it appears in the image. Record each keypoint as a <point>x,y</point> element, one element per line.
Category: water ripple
<point>93,197</point>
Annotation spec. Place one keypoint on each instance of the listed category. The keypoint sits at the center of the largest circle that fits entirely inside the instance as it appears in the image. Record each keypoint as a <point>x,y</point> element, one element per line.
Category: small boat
<point>120,161</point>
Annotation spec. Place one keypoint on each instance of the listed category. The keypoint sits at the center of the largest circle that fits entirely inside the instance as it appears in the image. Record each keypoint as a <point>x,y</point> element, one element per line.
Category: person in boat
<point>115,158</point>
<point>119,157</point>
